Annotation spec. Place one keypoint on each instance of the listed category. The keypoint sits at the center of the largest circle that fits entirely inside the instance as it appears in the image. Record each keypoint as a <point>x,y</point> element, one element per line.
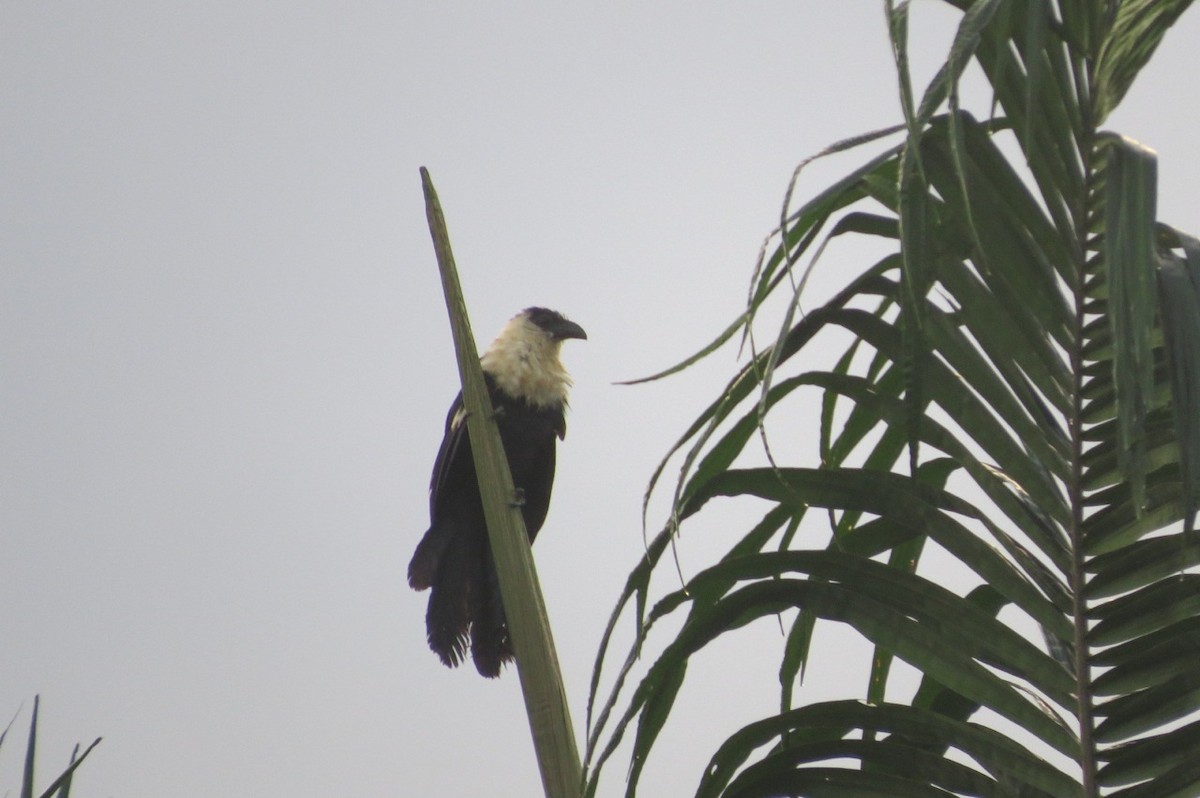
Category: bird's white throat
<point>524,362</point>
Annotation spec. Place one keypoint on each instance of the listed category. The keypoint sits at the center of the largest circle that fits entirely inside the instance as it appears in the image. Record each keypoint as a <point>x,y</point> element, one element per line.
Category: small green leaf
<point>1134,36</point>
<point>1129,254</point>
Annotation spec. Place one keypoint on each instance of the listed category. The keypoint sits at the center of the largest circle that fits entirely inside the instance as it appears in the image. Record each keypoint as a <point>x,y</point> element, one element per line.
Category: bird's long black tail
<point>453,575</point>
<point>490,644</point>
<point>465,608</point>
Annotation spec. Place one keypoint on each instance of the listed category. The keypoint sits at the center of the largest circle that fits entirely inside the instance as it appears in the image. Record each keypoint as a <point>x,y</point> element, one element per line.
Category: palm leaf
<point>1032,343</point>
<point>61,786</point>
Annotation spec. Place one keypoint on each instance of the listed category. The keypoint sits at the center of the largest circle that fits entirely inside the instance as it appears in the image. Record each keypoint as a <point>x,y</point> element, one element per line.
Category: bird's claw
<point>518,498</point>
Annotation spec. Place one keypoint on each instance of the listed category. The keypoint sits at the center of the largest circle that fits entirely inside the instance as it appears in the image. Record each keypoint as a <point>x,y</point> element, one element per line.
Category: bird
<point>528,386</point>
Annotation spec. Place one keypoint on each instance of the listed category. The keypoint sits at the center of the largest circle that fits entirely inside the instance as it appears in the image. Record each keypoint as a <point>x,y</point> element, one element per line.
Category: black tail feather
<point>423,567</point>
<point>465,608</point>
<point>490,644</point>
<point>456,587</point>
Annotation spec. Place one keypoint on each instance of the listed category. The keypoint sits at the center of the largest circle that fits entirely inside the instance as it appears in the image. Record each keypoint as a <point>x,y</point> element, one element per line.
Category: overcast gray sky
<point>224,358</point>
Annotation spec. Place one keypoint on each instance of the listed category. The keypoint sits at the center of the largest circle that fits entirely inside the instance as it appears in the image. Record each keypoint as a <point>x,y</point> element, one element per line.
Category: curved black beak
<point>568,329</point>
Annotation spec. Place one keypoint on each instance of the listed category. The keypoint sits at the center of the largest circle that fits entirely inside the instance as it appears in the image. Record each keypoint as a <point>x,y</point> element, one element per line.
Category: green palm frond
<point>61,786</point>
<point>1020,390</point>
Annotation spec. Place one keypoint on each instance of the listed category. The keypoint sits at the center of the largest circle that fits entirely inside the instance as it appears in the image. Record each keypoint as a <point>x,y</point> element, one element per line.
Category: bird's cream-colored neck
<point>524,362</point>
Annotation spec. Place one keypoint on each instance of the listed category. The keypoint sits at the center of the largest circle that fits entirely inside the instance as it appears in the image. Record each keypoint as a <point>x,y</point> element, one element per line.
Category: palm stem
<point>1078,576</point>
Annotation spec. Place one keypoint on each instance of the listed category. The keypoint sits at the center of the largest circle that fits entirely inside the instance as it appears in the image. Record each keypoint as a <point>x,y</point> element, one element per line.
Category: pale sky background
<point>225,361</point>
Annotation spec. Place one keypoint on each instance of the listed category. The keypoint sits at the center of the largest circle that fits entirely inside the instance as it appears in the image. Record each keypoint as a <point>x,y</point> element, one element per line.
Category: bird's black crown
<point>553,322</point>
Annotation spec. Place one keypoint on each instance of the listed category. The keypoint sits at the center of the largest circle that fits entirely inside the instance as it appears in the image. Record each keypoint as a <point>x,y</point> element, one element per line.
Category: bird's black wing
<point>450,494</point>
<point>448,452</point>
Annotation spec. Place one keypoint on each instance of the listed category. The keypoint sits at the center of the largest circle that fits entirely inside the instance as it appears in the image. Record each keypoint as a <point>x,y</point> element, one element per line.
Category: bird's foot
<point>460,418</point>
<point>518,498</point>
